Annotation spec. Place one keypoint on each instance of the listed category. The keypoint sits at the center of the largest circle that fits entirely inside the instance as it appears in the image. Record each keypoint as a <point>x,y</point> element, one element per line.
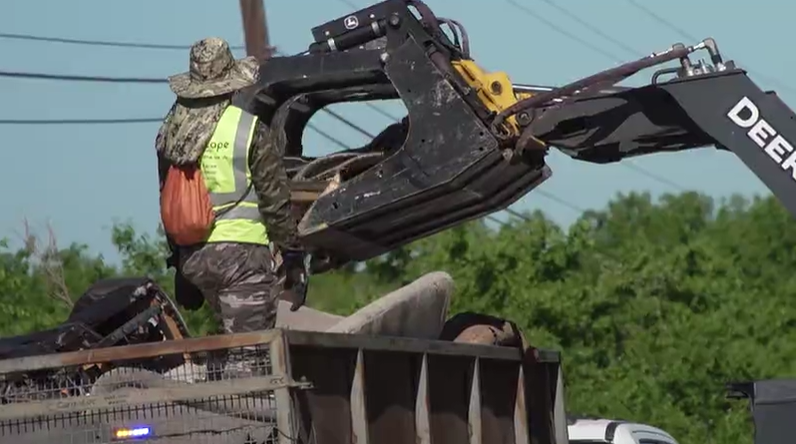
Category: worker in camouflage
<point>237,278</point>
<point>239,282</point>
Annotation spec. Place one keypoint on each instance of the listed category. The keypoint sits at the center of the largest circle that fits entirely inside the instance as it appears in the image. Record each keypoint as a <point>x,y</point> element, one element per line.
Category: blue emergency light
<point>131,433</point>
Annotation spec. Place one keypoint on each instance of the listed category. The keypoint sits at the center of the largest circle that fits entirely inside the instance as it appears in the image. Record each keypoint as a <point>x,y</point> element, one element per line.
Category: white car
<point>602,431</point>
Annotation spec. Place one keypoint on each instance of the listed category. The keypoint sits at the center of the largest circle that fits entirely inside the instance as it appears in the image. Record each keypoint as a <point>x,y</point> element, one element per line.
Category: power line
<point>388,115</point>
<point>382,112</point>
<point>108,79</point>
<point>105,79</point>
<point>561,201</point>
<point>627,163</point>
<point>31,37</point>
<point>552,197</point>
<point>668,24</point>
<point>37,38</point>
<point>517,214</point>
<point>663,21</point>
<point>577,39</point>
<point>80,78</point>
<point>509,210</point>
<point>78,121</point>
<point>328,136</point>
<point>349,123</point>
<point>85,78</point>
<point>660,19</point>
<point>657,177</point>
<point>564,32</point>
<point>347,147</point>
<point>397,120</point>
<point>594,29</point>
<point>140,80</point>
<point>630,50</point>
<point>132,121</point>
<point>372,106</point>
<point>350,4</point>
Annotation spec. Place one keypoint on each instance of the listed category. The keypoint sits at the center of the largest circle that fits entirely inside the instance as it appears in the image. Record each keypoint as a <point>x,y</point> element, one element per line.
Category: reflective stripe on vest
<point>225,167</point>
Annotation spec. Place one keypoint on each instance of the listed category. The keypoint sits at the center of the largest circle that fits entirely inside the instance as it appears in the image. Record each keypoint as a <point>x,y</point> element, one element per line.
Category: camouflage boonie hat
<point>213,71</point>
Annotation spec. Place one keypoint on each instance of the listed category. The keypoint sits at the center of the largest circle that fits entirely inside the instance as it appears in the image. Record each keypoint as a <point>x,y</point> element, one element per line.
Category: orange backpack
<point>185,208</point>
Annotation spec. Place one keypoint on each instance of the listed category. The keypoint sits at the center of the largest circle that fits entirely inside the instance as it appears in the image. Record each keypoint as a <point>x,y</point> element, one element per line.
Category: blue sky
<point>82,178</point>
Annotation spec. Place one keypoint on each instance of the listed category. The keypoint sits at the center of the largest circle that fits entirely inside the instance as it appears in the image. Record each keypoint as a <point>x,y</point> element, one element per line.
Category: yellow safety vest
<point>225,167</point>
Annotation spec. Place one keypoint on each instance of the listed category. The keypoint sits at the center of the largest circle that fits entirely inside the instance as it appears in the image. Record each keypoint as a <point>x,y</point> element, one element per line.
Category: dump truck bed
<point>772,404</point>
<point>286,386</point>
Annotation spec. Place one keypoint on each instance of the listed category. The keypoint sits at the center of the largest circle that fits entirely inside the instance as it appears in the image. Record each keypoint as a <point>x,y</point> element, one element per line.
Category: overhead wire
<point>107,79</point>
<point>646,10</point>
<point>315,128</point>
<point>350,123</point>
<point>100,79</point>
<point>350,4</point>
<point>328,136</point>
<point>372,106</point>
<point>627,164</point>
<point>148,80</point>
<point>388,115</point>
<point>80,78</point>
<point>524,8</point>
<point>83,78</point>
<point>683,33</point>
<point>78,121</point>
<point>382,112</point>
<point>552,197</point>
<point>595,29</point>
<point>561,201</point>
<point>550,24</point>
<point>30,37</point>
<point>654,176</point>
<point>62,77</point>
<point>489,217</point>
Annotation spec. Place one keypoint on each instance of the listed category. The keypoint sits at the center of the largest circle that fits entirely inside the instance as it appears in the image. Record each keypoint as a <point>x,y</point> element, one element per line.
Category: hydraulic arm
<point>472,142</point>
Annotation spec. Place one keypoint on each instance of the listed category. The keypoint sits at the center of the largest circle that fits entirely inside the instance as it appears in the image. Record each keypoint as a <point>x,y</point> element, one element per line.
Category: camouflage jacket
<point>269,178</point>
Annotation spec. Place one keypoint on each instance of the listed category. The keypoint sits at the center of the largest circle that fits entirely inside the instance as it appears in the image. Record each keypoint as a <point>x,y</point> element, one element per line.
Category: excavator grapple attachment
<point>472,142</point>
<point>441,166</point>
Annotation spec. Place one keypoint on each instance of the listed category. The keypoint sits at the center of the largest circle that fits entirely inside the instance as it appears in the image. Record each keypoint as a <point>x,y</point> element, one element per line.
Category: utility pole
<point>255,29</point>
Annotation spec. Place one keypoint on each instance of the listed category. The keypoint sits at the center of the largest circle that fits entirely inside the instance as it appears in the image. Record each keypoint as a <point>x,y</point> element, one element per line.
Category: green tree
<point>654,304</point>
<point>38,283</point>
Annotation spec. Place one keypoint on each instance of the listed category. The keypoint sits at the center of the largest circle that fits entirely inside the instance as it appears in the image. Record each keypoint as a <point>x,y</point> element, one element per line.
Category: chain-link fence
<point>216,395</point>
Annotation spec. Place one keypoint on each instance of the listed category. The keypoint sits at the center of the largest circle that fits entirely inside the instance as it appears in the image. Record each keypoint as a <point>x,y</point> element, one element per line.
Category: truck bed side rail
<point>286,387</point>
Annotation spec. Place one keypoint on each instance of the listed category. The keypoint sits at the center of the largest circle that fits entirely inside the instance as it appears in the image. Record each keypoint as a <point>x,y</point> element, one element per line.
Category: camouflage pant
<point>238,281</point>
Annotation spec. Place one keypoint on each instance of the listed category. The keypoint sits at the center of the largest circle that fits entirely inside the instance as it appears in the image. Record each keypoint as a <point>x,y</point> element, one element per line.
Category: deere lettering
<point>745,114</point>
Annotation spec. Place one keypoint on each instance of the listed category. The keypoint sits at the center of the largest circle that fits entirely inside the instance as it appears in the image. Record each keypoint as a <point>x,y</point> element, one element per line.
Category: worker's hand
<point>296,266</point>
<point>186,293</point>
<point>173,260</point>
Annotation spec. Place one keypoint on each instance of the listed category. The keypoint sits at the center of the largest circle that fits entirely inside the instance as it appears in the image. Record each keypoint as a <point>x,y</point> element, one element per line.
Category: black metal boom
<point>472,143</point>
